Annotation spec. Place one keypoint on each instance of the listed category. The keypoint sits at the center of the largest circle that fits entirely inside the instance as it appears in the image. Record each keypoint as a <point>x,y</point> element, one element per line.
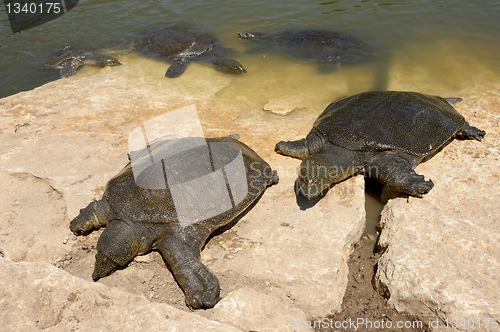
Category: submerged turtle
<point>70,58</point>
<point>179,46</point>
<point>313,45</point>
<point>170,198</point>
<point>385,134</point>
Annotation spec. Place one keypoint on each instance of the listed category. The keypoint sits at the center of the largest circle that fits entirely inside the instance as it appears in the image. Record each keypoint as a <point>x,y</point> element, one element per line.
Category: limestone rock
<point>302,252</point>
<point>442,257</point>
<point>38,296</point>
<point>283,106</point>
<point>254,310</point>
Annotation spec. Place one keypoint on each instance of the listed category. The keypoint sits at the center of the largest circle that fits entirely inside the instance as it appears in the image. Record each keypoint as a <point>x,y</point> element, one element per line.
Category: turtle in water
<point>385,134</point>
<point>70,58</point>
<point>179,46</point>
<point>171,197</point>
<point>326,47</point>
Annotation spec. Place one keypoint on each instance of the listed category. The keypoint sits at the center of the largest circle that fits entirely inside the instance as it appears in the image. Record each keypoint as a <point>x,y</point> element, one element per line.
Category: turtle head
<point>250,35</point>
<point>228,66</point>
<point>94,216</point>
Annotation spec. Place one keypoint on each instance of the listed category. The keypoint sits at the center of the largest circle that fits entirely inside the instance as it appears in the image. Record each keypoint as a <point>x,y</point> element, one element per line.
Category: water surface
<point>444,45</point>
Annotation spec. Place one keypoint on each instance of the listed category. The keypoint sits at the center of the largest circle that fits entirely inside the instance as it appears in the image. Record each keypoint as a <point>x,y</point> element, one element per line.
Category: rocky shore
<point>283,262</point>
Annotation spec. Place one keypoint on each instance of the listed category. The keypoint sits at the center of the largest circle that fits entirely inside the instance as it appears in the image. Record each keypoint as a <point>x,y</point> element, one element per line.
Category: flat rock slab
<point>283,106</point>
<point>39,296</point>
<point>442,258</point>
<point>61,143</point>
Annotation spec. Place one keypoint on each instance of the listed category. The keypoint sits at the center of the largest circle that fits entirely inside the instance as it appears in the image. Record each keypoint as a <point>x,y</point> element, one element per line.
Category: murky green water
<point>442,47</point>
<point>439,45</point>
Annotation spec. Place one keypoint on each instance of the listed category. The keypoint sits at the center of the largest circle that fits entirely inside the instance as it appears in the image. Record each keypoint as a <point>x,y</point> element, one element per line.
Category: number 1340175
<point>33,8</point>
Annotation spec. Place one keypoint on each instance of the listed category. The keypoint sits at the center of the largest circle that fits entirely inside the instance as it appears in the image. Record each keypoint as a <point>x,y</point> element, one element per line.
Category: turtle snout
<point>239,69</point>
<point>234,67</point>
<point>246,35</point>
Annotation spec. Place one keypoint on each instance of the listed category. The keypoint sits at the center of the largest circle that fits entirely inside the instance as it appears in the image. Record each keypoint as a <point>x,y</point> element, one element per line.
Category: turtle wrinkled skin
<point>322,46</point>
<point>171,197</point>
<point>179,46</point>
<point>384,134</point>
<point>70,58</point>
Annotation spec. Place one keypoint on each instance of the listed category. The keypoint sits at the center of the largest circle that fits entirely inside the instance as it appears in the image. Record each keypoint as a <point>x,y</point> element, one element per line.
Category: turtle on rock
<point>385,134</point>
<point>171,196</point>
<point>179,46</point>
<point>70,58</point>
<point>323,46</point>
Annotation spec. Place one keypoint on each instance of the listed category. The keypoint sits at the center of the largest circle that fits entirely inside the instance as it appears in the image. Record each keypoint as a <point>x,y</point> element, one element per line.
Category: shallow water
<point>444,45</point>
<point>441,47</point>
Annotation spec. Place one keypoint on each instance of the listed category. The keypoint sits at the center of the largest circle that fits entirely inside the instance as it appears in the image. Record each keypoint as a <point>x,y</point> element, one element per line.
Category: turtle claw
<point>419,189</point>
<point>201,287</point>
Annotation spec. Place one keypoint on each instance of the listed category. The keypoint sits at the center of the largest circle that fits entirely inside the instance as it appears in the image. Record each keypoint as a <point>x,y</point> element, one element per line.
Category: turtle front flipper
<point>120,242</point>
<point>201,287</point>
<point>319,171</point>
<point>69,67</point>
<point>395,169</point>
<point>177,68</point>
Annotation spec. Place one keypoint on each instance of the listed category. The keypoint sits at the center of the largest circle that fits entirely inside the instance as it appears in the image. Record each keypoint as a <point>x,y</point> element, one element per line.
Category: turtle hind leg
<point>395,169</point>
<point>200,286</point>
<point>177,68</point>
<point>470,132</point>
